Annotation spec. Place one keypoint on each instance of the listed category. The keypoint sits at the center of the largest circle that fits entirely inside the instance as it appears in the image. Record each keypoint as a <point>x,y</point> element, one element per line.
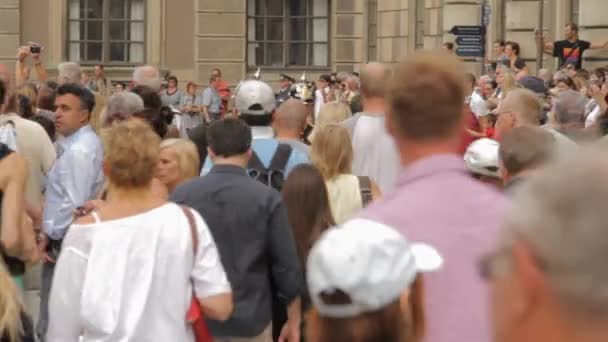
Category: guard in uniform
<point>285,92</point>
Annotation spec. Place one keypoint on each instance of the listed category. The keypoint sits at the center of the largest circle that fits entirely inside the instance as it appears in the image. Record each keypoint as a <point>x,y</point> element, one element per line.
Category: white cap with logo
<point>481,157</point>
<point>254,97</point>
<point>370,262</point>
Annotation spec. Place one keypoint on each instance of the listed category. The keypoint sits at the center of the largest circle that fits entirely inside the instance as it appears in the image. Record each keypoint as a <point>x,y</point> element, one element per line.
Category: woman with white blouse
<point>128,271</point>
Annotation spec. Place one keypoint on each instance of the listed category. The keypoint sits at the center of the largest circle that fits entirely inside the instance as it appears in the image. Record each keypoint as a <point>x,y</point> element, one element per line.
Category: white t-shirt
<point>130,279</point>
<point>319,102</point>
<point>375,153</point>
<point>593,117</point>
<point>478,105</point>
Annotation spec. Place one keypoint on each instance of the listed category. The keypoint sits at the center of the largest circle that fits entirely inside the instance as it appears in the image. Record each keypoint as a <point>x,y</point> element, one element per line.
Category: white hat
<point>370,262</point>
<point>481,157</point>
<point>254,97</point>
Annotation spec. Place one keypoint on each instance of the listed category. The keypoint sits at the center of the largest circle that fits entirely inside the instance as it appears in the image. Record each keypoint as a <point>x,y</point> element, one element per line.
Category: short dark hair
<point>572,26</point>
<point>213,78</point>
<point>151,98</point>
<point>86,97</point>
<point>449,45</point>
<point>100,66</point>
<point>500,42</point>
<point>229,137</point>
<point>514,46</point>
<point>153,117</point>
<point>47,124</point>
<point>172,78</point>
<point>325,78</point>
<point>2,92</point>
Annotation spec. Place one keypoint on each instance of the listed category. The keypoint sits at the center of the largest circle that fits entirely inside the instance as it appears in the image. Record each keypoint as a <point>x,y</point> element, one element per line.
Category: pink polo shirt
<point>438,202</point>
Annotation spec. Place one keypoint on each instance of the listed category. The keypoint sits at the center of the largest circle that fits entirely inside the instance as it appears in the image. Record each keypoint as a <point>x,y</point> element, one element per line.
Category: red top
<point>223,89</point>
<point>471,123</point>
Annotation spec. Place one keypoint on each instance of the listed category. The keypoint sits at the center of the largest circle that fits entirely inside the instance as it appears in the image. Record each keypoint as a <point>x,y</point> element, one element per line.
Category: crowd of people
<point>397,204</point>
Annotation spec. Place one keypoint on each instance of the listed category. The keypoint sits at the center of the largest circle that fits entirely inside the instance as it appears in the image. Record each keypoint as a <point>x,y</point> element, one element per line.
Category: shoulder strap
<point>187,211</point>
<point>255,163</point>
<point>280,158</point>
<point>365,187</point>
<point>574,48</point>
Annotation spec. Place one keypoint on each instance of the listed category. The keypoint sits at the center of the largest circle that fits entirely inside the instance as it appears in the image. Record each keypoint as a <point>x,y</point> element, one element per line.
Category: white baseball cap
<point>371,262</point>
<point>481,157</point>
<point>254,97</point>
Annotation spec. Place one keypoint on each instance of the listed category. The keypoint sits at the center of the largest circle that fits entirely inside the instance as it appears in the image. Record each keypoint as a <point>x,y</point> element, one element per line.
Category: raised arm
<point>41,71</point>
<point>547,44</point>
<point>598,45</point>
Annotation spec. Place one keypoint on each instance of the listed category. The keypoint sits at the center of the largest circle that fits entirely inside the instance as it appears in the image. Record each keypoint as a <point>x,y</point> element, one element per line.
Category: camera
<point>35,49</point>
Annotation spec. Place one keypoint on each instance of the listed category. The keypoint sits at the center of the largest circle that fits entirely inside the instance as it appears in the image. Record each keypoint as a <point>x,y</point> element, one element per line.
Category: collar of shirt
<point>442,163</point>
<point>262,132</point>
<point>226,168</point>
<point>69,140</point>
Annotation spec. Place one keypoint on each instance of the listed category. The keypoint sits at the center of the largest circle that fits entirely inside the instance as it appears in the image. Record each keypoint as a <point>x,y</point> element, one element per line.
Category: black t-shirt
<point>569,52</point>
<point>519,63</point>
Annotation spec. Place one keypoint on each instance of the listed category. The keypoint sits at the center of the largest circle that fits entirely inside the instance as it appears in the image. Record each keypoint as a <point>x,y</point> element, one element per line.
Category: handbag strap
<point>187,211</point>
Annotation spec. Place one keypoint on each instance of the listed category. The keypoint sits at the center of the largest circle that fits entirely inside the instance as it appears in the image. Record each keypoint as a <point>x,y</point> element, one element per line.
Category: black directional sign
<point>470,51</point>
<point>468,30</point>
<point>469,40</point>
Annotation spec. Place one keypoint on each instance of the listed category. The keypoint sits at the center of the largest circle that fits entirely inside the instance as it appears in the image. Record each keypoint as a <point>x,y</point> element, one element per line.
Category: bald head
<point>525,104</point>
<point>290,116</point>
<point>374,77</point>
<point>147,75</point>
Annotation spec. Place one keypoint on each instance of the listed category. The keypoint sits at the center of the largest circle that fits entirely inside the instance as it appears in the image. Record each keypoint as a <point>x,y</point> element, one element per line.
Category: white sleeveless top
<point>131,279</point>
<point>344,197</point>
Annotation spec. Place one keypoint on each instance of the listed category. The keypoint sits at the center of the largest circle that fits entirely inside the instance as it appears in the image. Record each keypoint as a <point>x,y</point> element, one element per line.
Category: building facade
<point>190,37</point>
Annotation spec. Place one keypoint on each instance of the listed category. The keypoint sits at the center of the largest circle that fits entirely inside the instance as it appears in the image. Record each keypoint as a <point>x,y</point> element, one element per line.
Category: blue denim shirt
<point>74,179</point>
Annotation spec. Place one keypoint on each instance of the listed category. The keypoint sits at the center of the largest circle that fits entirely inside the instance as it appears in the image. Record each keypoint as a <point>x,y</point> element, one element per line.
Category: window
<point>372,30</point>
<point>106,31</point>
<point>283,33</point>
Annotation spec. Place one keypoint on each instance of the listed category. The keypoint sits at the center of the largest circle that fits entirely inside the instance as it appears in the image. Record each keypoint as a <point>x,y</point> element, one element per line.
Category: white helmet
<point>254,97</point>
<point>481,157</point>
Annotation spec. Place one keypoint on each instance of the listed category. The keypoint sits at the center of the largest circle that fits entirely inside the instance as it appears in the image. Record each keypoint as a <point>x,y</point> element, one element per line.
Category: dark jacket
<point>249,223</point>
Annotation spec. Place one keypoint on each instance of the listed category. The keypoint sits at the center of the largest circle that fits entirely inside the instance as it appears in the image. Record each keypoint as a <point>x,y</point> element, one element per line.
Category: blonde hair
<point>330,113</point>
<point>10,307</point>
<point>332,151</point>
<point>187,156</point>
<point>29,93</point>
<point>130,153</point>
<point>508,84</point>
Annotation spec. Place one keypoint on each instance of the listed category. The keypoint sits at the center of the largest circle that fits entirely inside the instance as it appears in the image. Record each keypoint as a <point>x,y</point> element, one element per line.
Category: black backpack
<point>274,175</point>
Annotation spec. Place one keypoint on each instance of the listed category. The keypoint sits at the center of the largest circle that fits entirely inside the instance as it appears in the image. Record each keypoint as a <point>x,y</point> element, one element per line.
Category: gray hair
<point>485,79</point>
<point>123,105</point>
<point>560,213</point>
<point>343,76</point>
<point>69,72</point>
<point>570,107</point>
<point>147,75</point>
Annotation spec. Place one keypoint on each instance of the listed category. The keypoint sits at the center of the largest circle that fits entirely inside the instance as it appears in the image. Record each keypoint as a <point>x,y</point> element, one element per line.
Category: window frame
<point>106,40</point>
<point>287,41</point>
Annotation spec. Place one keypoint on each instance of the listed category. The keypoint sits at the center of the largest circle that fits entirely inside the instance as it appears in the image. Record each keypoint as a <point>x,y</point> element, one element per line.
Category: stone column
<point>9,31</point>
<point>220,39</point>
<point>433,24</point>
<point>348,44</point>
<point>593,26</point>
<point>393,30</point>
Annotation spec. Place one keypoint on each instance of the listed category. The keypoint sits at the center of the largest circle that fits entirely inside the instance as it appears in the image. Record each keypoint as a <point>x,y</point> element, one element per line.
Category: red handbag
<point>195,315</point>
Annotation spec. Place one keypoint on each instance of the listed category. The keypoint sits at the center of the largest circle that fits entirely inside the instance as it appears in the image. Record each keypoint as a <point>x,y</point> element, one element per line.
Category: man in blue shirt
<point>74,179</point>
<point>255,103</point>
<point>212,102</point>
